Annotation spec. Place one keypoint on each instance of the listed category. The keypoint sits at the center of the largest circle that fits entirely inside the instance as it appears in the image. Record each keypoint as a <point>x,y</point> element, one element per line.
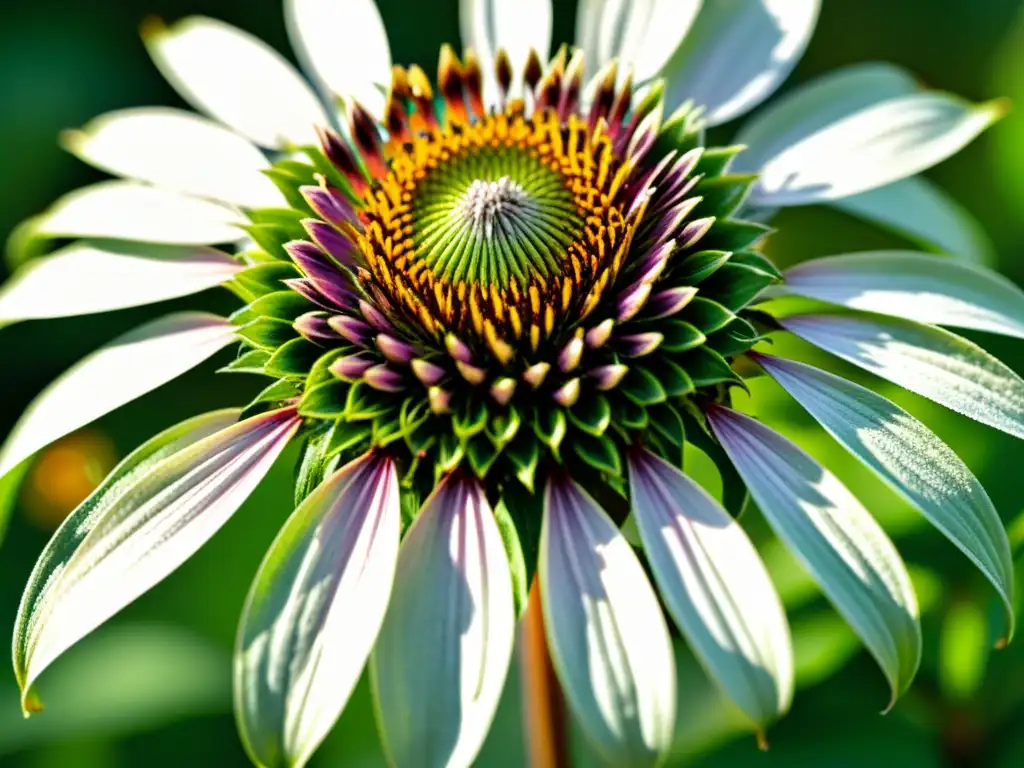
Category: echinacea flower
<point>494,306</point>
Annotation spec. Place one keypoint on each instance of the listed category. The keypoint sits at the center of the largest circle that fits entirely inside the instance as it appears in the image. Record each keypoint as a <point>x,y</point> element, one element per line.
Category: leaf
<point>606,632</point>
<point>828,530</point>
<point>155,510</point>
<point>911,460</point>
<point>929,361</point>
<point>314,611</point>
<point>715,586</point>
<point>128,367</point>
<point>448,634</point>
<point>914,286</point>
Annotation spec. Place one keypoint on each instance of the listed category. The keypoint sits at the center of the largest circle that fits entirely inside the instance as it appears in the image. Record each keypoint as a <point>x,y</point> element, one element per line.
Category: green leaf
<point>734,235</point>
<point>673,379</point>
<point>592,414</point>
<point>346,435</point>
<point>267,333</point>
<point>700,265</point>
<point>293,358</point>
<point>714,161</point>
<point>707,315</point>
<point>280,305</point>
<point>250,361</point>
<point>522,571</point>
<point>365,402</point>
<point>282,389</point>
<point>263,279</point>
<point>315,464</point>
<point>734,491</point>
<point>325,401</point>
<point>550,427</point>
<point>737,337</point>
<point>757,261</point>
<point>600,453</point>
<point>641,386</point>
<point>723,195</point>
<point>735,285</point>
<point>629,414</point>
<point>680,336</point>
<point>503,427</point>
<point>667,421</point>
<point>524,453</point>
<point>471,418</point>
<point>707,368</point>
<point>482,454</point>
<point>320,372</point>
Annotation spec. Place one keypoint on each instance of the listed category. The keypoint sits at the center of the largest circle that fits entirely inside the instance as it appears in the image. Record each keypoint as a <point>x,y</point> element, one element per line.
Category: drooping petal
<point>715,586</point>
<point>608,638</point>
<point>126,368</point>
<point>929,361</point>
<point>448,635</point>
<point>922,212</point>
<point>314,612</point>
<point>911,459</point>
<point>238,79</point>
<point>343,43</point>
<point>83,279</point>
<point>489,25</point>
<point>87,515</point>
<point>738,52</point>
<point>813,107</point>
<point>872,147</point>
<point>178,150</point>
<point>842,546</point>
<point>642,34</point>
<point>128,210</point>
<point>153,516</point>
<point>914,286</point>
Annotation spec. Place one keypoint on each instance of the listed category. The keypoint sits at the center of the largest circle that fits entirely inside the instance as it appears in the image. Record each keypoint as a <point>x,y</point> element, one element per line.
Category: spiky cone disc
<point>503,290</point>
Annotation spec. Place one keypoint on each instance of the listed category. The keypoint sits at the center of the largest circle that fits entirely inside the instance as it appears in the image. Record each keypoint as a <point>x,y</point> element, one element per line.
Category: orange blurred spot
<point>65,474</point>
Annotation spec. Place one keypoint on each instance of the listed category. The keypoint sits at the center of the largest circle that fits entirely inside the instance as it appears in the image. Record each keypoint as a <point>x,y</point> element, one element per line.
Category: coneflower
<point>494,306</point>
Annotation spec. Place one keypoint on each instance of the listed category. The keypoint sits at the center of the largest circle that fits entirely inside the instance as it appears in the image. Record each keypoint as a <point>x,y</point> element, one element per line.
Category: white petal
<point>126,368</point>
<point>178,150</point>
<point>923,213</point>
<point>811,108</point>
<point>343,43</point>
<point>84,278</point>
<point>872,147</point>
<point>911,459</point>
<point>607,635</point>
<point>738,52</point>
<point>915,286</point>
<point>238,79</point>
<point>143,528</point>
<point>929,361</point>
<point>641,33</point>
<point>842,546</point>
<point>518,27</point>
<point>87,515</point>
<point>715,586</point>
<point>127,210</point>
<point>314,611</point>
<point>448,635</point>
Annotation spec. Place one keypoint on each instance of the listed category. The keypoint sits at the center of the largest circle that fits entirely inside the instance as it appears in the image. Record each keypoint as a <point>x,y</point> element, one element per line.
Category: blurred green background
<point>152,688</point>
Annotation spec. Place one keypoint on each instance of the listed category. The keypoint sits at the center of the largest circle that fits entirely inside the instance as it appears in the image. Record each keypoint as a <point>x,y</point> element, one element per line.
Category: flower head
<point>494,306</point>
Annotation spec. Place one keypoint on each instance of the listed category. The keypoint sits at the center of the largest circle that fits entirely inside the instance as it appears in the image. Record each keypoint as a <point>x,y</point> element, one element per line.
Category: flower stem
<point>543,704</point>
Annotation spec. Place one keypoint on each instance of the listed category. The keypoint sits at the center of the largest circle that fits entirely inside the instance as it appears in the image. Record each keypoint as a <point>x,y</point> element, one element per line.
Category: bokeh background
<point>152,688</point>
